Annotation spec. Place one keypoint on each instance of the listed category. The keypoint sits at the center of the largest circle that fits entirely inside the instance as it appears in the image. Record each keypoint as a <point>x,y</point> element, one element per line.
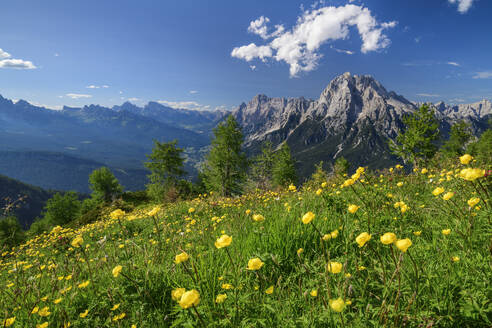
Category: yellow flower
<point>324,184</point>
<point>84,314</point>
<point>175,294</point>
<point>154,211</point>
<point>248,212</point>
<point>116,306</point>
<point>424,171</point>
<point>314,293</point>
<point>300,251</point>
<point>362,239</point>
<point>220,298</point>
<point>417,233</point>
<point>446,231</point>
<point>308,217</point>
<point>117,214</point>
<point>353,208</point>
<point>35,310</point>
<point>327,237</point>
<point>191,210</point>
<point>470,174</point>
<point>84,284</point>
<point>44,312</point>
<point>473,201</point>
<point>58,300</point>
<point>334,267</point>
<point>116,270</point>
<point>42,325</point>
<point>226,286</point>
<point>455,258</point>
<point>388,238</point>
<point>255,264</point>
<point>337,305</point>
<point>292,187</point>
<point>319,191</point>
<point>258,217</point>
<point>334,234</point>
<point>403,244</point>
<point>269,290</point>
<point>438,191</point>
<point>223,241</point>
<point>448,195</point>
<point>77,241</point>
<point>119,317</point>
<point>8,322</point>
<point>190,298</point>
<point>181,258</point>
<point>399,184</point>
<point>465,159</point>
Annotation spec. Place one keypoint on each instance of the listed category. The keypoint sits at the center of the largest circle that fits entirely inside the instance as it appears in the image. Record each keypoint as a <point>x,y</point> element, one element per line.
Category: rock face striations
<point>353,117</point>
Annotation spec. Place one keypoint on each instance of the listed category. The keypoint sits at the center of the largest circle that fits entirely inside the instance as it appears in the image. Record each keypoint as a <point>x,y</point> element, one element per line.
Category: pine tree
<point>226,163</point>
<point>104,184</point>
<point>284,171</point>
<point>459,135</point>
<point>416,143</point>
<point>262,169</point>
<point>166,166</point>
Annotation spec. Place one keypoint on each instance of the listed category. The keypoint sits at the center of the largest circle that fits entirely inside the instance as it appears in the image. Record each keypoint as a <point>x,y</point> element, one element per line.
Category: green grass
<point>381,285</point>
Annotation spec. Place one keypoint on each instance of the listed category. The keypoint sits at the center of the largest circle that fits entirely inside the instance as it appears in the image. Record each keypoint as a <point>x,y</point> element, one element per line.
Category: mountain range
<point>353,117</point>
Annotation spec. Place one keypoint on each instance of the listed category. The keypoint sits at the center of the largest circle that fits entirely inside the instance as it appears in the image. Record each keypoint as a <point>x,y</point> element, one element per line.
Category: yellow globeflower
<point>269,290</point>
<point>438,191</point>
<point>362,239</point>
<point>116,270</point>
<point>314,293</point>
<point>417,233</point>
<point>308,217</point>
<point>227,286</point>
<point>84,314</point>
<point>319,191</point>
<point>337,305</point>
<point>248,212</point>
<point>190,298</point>
<point>84,284</point>
<point>399,184</point>
<point>154,211</point>
<point>473,201</point>
<point>8,322</point>
<point>116,306</point>
<point>77,241</point>
<point>324,184</point>
<point>334,234</point>
<point>446,231</point>
<point>176,294</point>
<point>353,208</point>
<point>258,217</point>
<point>191,210</point>
<point>465,159</point>
<point>455,258</point>
<point>42,325</point>
<point>334,267</point>
<point>220,298</point>
<point>255,264</point>
<point>117,214</point>
<point>300,251</point>
<point>223,241</point>
<point>35,310</point>
<point>292,187</point>
<point>182,257</point>
<point>403,244</point>
<point>471,174</point>
<point>388,238</point>
<point>448,195</point>
<point>327,237</point>
<point>44,312</point>
<point>424,171</point>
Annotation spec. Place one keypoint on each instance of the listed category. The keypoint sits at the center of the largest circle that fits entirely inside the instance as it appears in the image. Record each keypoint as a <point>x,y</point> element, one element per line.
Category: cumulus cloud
<point>483,75</point>
<point>193,105</point>
<point>299,46</point>
<point>77,95</point>
<point>463,5</point>
<point>253,67</point>
<point>7,62</point>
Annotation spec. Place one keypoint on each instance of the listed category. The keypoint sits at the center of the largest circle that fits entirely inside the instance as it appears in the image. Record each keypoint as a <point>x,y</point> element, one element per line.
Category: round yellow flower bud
<point>308,217</point>
<point>403,244</point>
<point>362,239</point>
<point>465,159</point>
<point>223,241</point>
<point>255,264</point>
<point>353,208</point>
<point>337,305</point>
<point>388,238</point>
<point>334,267</point>
<point>116,270</point>
<point>189,298</point>
<point>258,217</point>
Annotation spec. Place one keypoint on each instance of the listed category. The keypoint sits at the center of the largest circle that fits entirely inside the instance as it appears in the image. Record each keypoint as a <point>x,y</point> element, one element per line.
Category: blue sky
<point>195,54</point>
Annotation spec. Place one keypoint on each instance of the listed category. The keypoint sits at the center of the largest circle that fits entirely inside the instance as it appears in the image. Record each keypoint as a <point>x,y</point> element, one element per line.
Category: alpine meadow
<point>138,187</point>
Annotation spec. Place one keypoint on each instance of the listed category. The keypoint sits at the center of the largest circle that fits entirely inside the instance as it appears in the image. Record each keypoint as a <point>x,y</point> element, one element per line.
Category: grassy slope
<point>435,292</point>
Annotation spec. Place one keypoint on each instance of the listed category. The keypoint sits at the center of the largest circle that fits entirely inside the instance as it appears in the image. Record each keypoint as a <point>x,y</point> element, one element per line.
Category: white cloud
<point>77,95</point>
<point>483,75</point>
<point>429,95</point>
<point>453,63</point>
<point>299,46</point>
<point>133,99</point>
<point>193,105</point>
<point>343,51</point>
<point>121,92</point>
<point>92,87</point>
<point>7,62</point>
<point>463,5</point>
<point>253,67</point>
<point>193,92</point>
<point>4,54</point>
<point>57,54</point>
<point>252,51</point>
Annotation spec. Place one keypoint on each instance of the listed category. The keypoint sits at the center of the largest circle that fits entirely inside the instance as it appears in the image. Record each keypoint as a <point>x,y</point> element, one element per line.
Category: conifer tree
<point>104,184</point>
<point>263,166</point>
<point>226,163</point>
<point>284,171</point>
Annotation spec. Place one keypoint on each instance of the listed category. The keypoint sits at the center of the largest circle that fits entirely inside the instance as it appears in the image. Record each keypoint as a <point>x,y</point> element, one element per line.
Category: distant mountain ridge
<point>353,117</point>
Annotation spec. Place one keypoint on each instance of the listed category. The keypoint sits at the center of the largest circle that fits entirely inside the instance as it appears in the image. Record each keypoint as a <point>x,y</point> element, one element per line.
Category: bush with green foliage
<point>61,209</point>
<point>104,185</point>
<point>11,233</point>
<point>283,170</point>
